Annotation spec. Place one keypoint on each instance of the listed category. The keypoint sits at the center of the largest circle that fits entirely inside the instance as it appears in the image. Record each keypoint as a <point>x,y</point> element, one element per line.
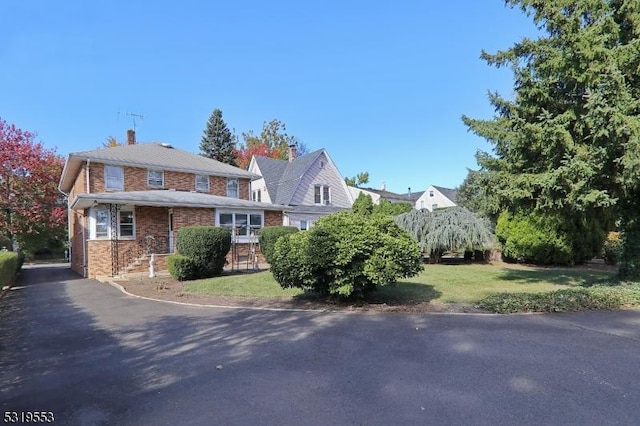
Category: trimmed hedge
<point>207,246</point>
<point>268,237</point>
<point>10,263</point>
<point>565,300</point>
<point>181,267</point>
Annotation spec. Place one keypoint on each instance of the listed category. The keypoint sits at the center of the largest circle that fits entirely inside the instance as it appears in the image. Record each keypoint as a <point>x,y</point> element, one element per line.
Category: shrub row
<point>202,252</point>
<point>346,254</point>
<point>10,263</point>
<point>565,300</point>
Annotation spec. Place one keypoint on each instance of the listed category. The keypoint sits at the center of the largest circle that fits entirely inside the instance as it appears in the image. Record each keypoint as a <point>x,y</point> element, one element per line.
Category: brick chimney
<point>131,137</point>
<point>293,152</point>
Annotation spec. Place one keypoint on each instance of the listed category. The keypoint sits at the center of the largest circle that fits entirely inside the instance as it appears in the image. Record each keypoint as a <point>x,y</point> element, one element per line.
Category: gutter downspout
<point>86,225</point>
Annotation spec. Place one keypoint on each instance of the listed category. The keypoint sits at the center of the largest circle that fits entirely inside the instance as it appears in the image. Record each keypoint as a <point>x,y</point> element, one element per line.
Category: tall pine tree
<point>568,143</point>
<point>217,141</point>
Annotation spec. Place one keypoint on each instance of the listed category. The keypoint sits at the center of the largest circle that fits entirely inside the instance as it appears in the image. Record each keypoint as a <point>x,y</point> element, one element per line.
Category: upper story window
<point>430,193</point>
<point>202,183</point>
<point>321,194</point>
<point>113,178</point>
<point>155,178</point>
<point>257,195</point>
<point>232,187</point>
<point>433,207</point>
<point>422,204</point>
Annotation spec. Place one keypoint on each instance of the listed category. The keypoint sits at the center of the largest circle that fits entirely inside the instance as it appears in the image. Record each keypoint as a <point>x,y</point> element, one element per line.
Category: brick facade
<point>149,221</point>
<point>135,179</point>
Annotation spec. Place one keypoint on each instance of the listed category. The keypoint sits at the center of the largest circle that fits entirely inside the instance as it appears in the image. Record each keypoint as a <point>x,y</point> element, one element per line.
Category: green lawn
<point>443,283</point>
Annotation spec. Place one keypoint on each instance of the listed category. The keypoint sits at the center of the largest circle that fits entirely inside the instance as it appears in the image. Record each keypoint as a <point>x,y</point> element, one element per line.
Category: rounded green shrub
<point>182,268</point>
<point>268,237</point>
<point>346,254</point>
<point>10,264</point>
<point>548,240</point>
<point>207,246</point>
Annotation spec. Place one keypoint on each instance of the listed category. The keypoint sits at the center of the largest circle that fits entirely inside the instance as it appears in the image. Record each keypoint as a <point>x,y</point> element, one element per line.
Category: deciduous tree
<point>273,141</point>
<point>217,141</point>
<point>568,143</point>
<point>29,200</point>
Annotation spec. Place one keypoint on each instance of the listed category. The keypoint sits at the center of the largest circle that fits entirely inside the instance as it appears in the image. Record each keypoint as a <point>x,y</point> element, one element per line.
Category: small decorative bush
<point>346,254</point>
<point>612,248</point>
<point>182,268</point>
<point>207,246</point>
<point>10,263</point>
<point>566,300</point>
<point>268,237</point>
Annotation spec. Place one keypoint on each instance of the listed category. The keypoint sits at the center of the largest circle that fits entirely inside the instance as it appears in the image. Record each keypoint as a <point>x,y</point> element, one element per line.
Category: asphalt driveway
<point>92,355</point>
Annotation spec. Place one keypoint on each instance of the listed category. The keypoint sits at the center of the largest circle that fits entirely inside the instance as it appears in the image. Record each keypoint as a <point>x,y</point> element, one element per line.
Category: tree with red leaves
<point>273,141</point>
<point>30,204</point>
<point>244,154</point>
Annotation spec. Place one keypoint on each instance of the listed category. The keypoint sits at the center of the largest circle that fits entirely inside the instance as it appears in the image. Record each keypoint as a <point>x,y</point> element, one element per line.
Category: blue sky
<point>380,85</point>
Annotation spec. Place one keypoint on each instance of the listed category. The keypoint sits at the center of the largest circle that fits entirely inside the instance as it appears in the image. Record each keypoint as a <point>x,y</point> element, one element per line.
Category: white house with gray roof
<point>436,197</point>
<point>132,199</point>
<point>310,186</point>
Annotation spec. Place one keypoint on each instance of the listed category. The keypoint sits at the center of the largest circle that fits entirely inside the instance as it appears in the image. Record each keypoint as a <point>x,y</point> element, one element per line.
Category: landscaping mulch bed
<point>168,289</point>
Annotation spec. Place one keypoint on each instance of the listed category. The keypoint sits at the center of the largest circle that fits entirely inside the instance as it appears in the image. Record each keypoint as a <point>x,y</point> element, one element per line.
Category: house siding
<point>322,172</point>
<point>438,198</point>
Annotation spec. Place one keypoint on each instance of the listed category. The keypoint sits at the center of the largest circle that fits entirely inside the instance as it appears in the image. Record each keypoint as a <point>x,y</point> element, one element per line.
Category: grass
<point>459,283</point>
<point>259,284</point>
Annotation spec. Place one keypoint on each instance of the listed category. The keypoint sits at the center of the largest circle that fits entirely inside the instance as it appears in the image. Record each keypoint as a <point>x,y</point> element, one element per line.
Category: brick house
<point>128,201</point>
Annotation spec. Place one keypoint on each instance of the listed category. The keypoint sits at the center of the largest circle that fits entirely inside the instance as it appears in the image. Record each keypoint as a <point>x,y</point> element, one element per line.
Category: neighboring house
<point>128,200</point>
<point>436,197</point>
<point>382,194</point>
<point>310,186</point>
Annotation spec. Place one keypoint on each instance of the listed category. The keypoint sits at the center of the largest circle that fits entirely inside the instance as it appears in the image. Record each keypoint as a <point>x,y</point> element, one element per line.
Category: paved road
<point>92,355</point>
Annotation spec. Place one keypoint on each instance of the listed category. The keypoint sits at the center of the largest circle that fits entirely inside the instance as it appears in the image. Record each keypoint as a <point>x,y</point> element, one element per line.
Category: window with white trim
<point>113,178</point>
<point>202,183</point>
<point>155,178</point>
<point>242,224</point>
<point>304,225</point>
<point>257,195</point>
<point>321,194</point>
<point>100,223</point>
<point>433,207</point>
<point>232,187</point>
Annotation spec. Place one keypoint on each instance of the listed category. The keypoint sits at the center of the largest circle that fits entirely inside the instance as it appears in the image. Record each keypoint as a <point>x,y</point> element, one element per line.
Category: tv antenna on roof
<point>133,116</point>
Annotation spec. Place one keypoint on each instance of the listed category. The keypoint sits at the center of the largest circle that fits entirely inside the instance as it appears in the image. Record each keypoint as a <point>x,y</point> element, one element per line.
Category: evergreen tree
<point>568,143</point>
<point>217,141</point>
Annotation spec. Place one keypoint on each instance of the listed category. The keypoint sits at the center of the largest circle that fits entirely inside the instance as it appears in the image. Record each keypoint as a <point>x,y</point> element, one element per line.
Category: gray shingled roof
<point>447,192</point>
<point>318,209</point>
<point>149,155</point>
<point>283,177</point>
<point>168,198</point>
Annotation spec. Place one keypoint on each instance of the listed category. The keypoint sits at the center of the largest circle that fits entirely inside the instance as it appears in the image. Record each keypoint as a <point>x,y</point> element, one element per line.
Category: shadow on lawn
<point>559,276</point>
<point>400,293</point>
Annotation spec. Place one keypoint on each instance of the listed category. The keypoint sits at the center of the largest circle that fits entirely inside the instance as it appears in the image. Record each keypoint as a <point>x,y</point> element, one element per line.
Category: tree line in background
<point>565,166</point>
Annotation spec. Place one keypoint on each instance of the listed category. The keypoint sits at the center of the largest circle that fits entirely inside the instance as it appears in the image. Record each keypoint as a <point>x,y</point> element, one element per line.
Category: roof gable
<point>282,177</point>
